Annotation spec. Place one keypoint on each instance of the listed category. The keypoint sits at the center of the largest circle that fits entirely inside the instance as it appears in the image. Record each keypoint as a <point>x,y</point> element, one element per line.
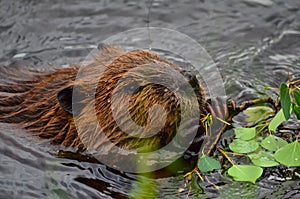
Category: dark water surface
<point>254,42</point>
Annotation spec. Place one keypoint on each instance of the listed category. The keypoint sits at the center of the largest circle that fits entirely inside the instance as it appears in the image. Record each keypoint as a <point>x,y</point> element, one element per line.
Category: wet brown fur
<point>29,98</point>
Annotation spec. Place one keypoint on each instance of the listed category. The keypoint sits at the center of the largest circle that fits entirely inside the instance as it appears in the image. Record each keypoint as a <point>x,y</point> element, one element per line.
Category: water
<point>254,42</point>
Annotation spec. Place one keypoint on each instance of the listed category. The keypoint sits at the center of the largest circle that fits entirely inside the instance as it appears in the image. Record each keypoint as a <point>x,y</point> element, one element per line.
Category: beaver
<point>41,102</point>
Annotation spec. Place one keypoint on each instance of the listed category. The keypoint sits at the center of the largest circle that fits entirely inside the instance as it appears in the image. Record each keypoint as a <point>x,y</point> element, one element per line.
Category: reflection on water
<point>254,42</point>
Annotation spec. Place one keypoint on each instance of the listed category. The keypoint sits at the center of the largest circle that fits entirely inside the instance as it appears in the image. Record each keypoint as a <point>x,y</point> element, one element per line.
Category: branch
<point>212,141</point>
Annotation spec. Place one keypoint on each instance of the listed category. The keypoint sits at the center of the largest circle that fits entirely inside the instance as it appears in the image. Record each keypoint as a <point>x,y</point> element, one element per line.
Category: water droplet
<point>65,66</point>
<point>20,55</point>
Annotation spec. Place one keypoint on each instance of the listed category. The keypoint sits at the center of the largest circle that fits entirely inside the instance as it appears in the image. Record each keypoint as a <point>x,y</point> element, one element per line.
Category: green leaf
<point>289,155</point>
<point>257,113</point>
<point>263,159</point>
<point>296,110</point>
<point>285,100</point>
<point>266,88</point>
<point>277,120</point>
<point>273,143</point>
<point>59,194</point>
<point>297,97</point>
<point>245,173</point>
<point>141,187</point>
<point>245,133</point>
<point>207,164</point>
<point>242,146</point>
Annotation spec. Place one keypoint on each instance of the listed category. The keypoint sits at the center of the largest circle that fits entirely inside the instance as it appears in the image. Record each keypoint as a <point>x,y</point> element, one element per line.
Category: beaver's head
<point>138,100</point>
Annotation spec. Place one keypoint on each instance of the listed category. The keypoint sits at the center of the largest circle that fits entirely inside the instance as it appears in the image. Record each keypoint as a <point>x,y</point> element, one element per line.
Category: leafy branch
<point>257,141</point>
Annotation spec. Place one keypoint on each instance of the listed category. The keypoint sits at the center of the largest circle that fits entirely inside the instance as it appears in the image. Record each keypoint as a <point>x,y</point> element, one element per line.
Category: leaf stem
<point>226,156</point>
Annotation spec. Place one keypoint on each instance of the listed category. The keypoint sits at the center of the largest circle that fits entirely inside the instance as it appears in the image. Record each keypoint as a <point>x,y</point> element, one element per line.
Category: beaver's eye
<point>191,78</point>
<point>132,89</point>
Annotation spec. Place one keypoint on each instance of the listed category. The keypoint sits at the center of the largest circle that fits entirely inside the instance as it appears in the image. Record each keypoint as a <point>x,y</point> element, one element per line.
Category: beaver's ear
<point>65,99</point>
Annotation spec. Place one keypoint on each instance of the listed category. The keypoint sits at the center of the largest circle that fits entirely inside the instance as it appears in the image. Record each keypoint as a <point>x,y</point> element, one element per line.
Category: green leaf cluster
<point>263,150</point>
<point>271,150</point>
<point>267,152</point>
<point>290,103</point>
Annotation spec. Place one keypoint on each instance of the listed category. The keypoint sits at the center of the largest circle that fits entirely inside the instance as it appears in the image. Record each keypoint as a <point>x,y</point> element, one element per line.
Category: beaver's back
<point>42,102</point>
